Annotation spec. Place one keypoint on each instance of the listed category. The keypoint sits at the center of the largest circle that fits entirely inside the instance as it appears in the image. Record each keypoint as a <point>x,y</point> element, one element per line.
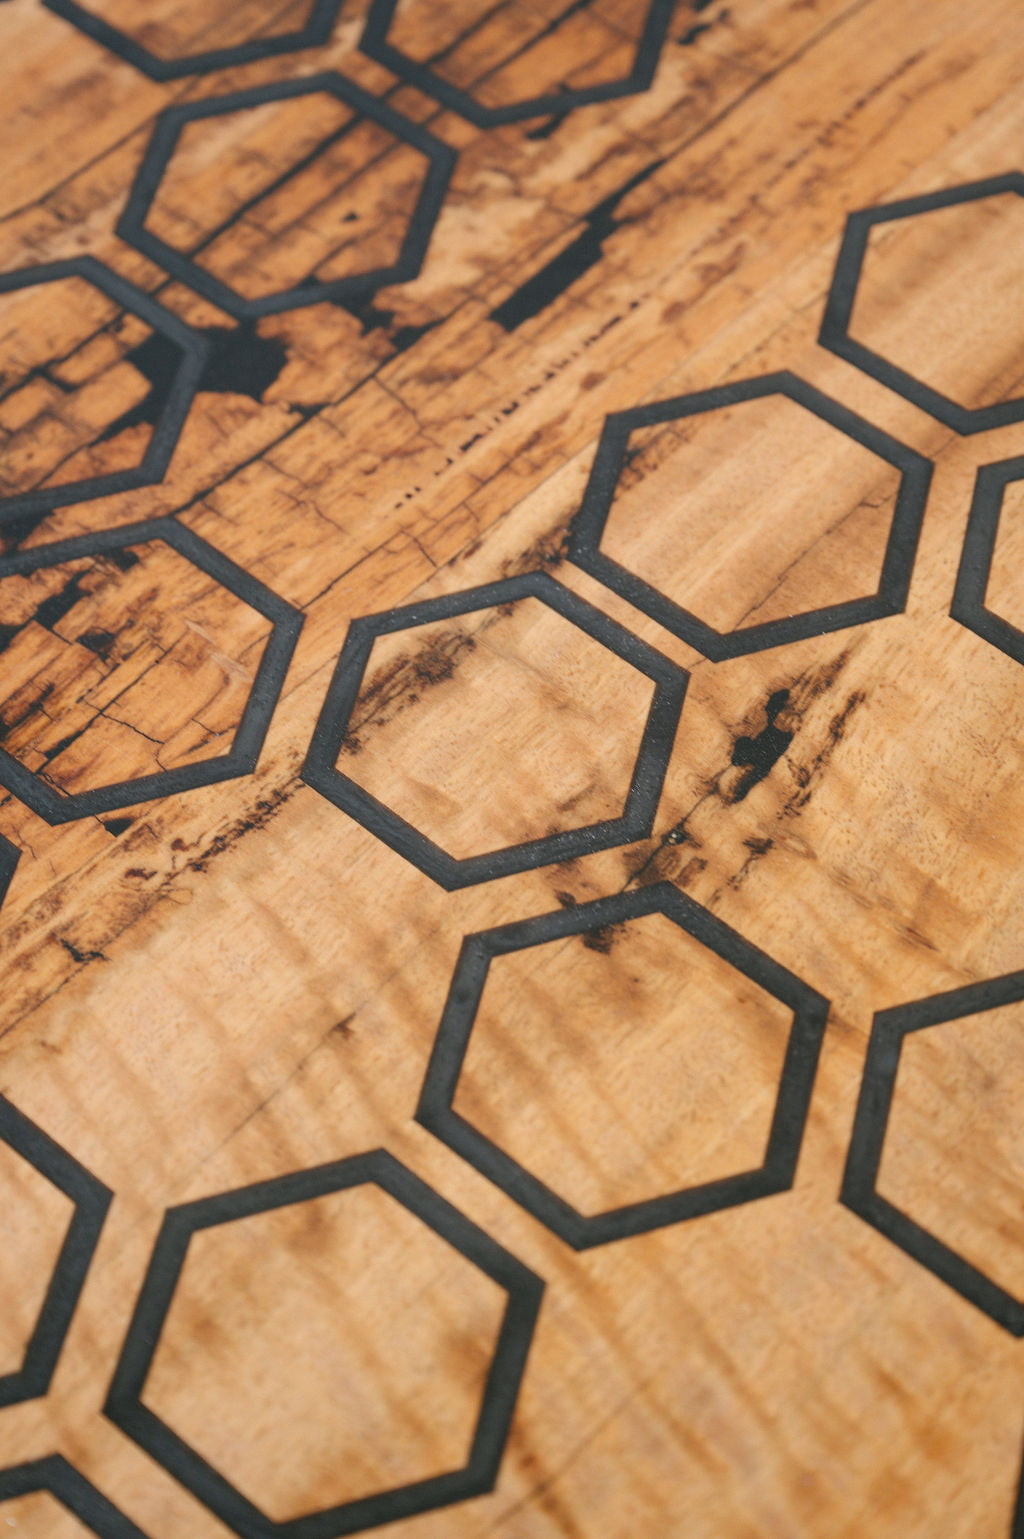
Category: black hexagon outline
<point>164,437</point>
<point>834,333</point>
<point>240,759</point>
<point>375,45</point>
<point>436,1112</point>
<point>637,818</point>
<point>972,578</point>
<point>9,857</point>
<point>859,1190</point>
<point>440,158</point>
<point>890,598</point>
<point>125,1408</point>
<point>313,34</point>
<point>61,1480</point>
<point>91,1200</point>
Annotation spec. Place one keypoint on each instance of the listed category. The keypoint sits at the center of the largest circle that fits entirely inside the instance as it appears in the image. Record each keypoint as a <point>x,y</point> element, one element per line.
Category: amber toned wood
<point>239,982</point>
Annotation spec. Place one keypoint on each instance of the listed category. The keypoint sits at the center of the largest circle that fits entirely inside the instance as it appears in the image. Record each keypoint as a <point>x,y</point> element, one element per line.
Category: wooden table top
<point>512,769</point>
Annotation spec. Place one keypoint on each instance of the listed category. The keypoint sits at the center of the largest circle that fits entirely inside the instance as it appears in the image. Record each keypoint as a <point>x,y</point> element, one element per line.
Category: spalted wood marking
<point>72,403</point>
<point>117,667</point>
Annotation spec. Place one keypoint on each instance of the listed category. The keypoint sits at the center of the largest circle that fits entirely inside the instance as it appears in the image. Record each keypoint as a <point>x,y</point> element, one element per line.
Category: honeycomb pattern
<point>475,101</point>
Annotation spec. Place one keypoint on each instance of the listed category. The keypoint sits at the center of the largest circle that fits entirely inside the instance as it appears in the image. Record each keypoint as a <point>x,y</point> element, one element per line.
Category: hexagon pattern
<point>655,736</point>
<point>475,74</point>
<point>712,498</point>
<point>161,46</point>
<point>250,219</point>
<point>485,63</point>
<point>38,385</point>
<point>324,1198</point>
<point>781,1133</point>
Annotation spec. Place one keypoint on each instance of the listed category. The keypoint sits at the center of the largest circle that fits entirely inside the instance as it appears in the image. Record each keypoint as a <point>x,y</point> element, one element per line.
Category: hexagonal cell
<point>78,418</point>
<point>624,1064</point>
<point>338,1344</point>
<point>926,298</point>
<point>132,664</point>
<point>518,726</point>
<point>482,733</point>
<point>986,599</point>
<point>673,516</point>
<point>289,1306</point>
<point>501,63</point>
<point>936,1161</point>
<point>49,1499</point>
<point>53,1213</point>
<point>188,37</point>
<point>310,190</point>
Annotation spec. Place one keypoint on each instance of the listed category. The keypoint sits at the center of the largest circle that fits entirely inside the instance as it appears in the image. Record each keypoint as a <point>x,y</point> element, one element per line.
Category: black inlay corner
<point>62,1481</point>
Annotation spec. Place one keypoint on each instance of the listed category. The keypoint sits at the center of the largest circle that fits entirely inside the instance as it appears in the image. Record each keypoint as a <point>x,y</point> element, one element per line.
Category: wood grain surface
<point>244,980</point>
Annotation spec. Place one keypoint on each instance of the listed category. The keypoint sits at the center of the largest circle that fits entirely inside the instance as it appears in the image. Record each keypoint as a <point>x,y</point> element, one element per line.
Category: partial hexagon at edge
<point>936,306</point>
<point>158,65</point>
<point>899,1216</point>
<point>635,58</point>
<point>60,1288</point>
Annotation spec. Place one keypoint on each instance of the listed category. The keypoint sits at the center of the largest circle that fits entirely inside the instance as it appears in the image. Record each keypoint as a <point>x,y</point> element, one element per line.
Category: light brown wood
<point>239,982</point>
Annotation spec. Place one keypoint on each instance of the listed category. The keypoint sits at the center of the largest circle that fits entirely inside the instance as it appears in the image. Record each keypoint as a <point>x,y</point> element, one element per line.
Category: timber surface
<point>230,983</point>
